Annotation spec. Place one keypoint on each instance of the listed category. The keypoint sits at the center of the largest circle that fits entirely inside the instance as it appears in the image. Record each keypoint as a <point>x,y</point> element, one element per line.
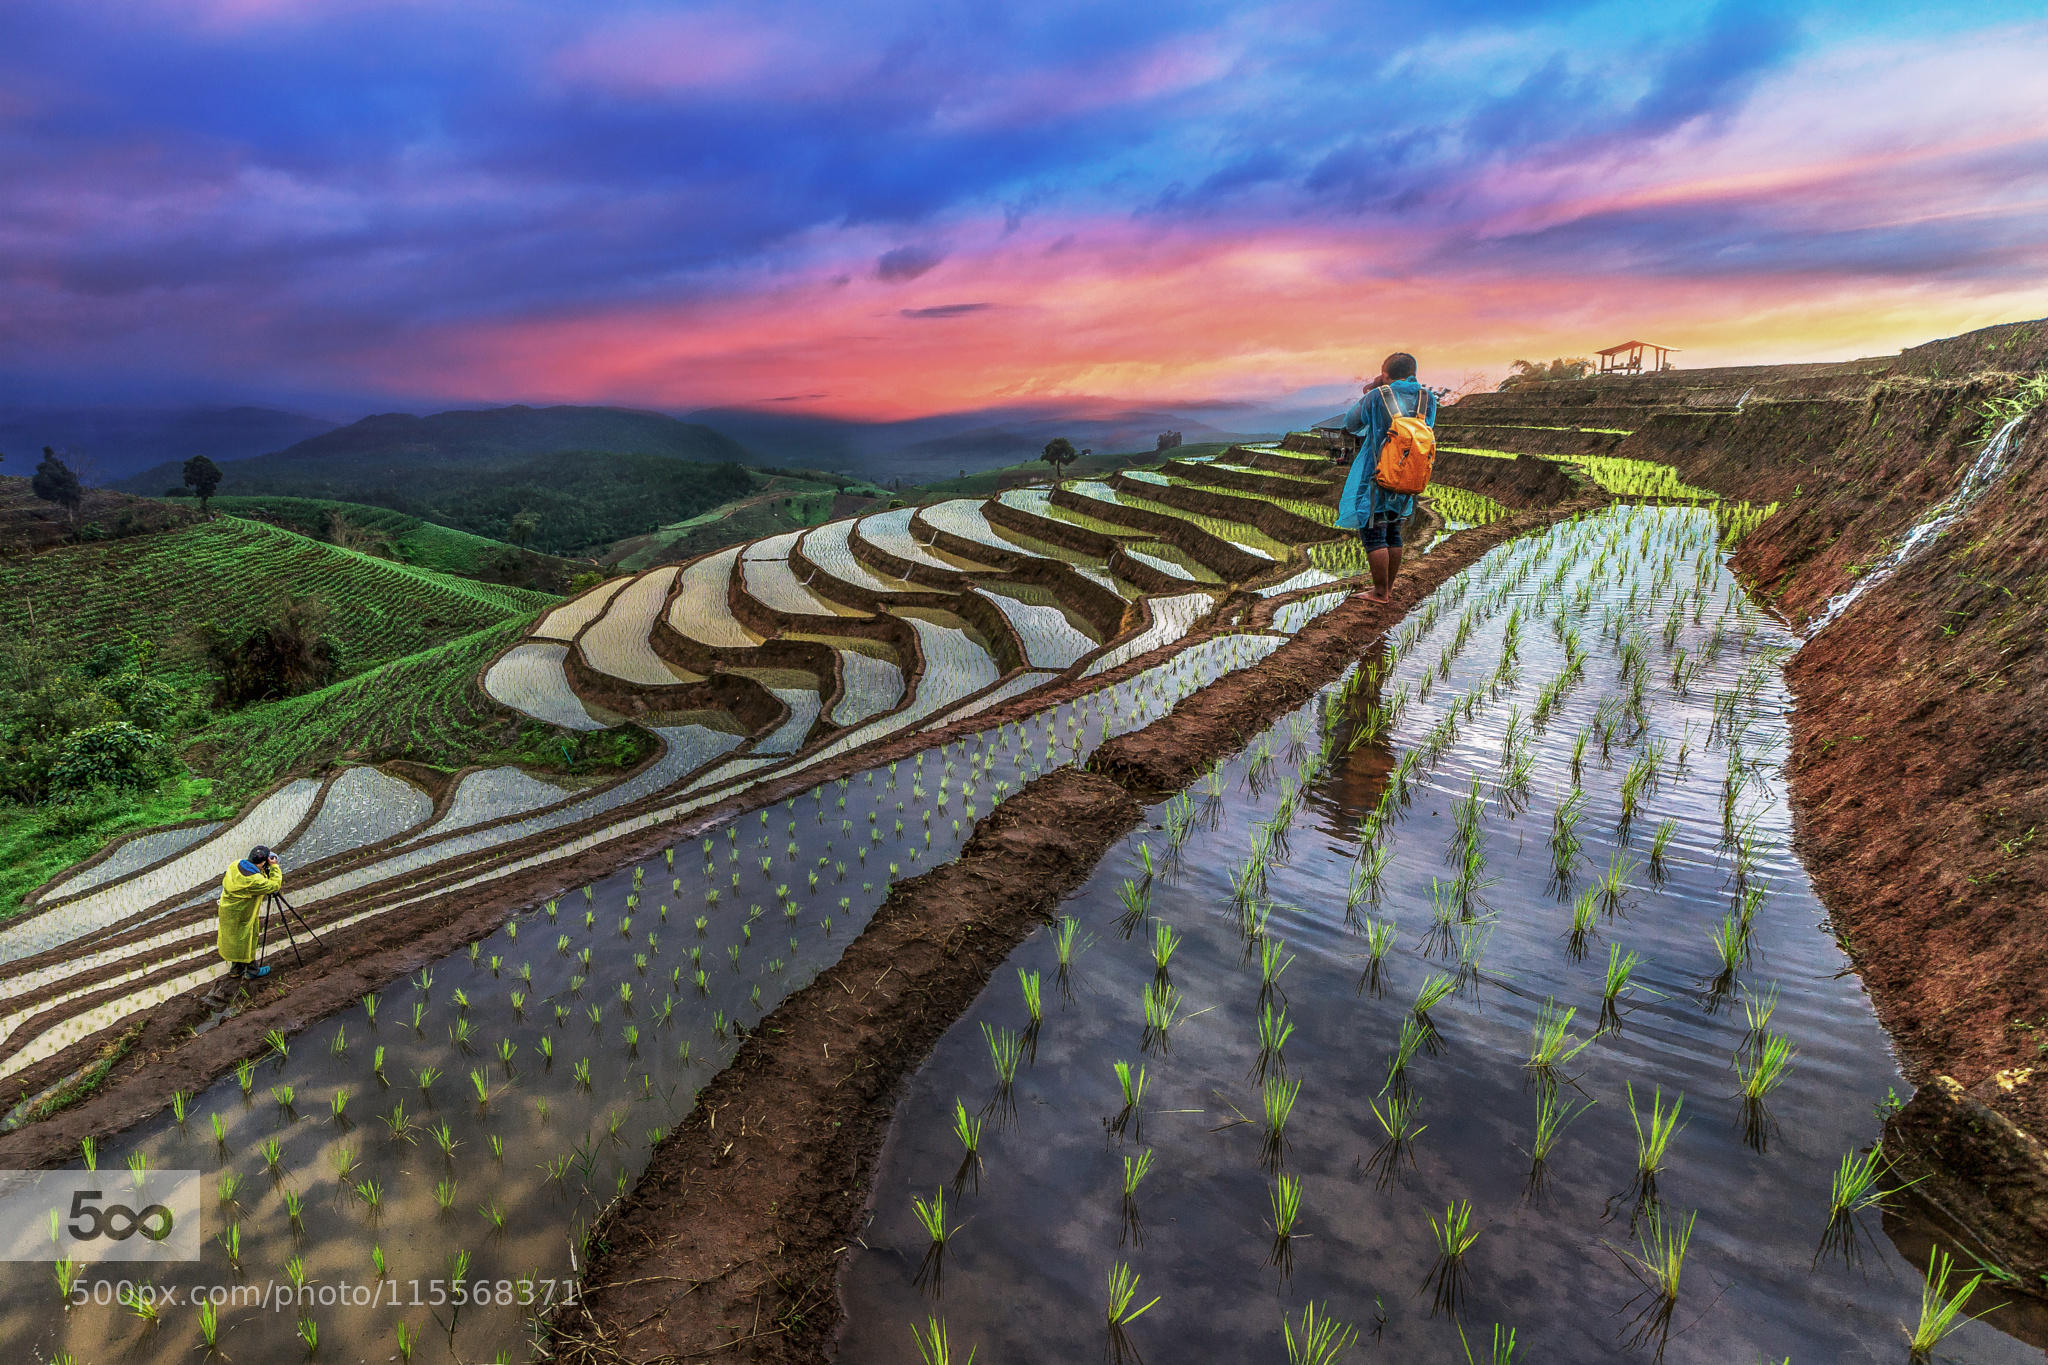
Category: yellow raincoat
<point>241,896</point>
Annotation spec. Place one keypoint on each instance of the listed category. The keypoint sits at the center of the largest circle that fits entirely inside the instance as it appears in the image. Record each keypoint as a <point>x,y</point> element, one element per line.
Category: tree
<point>1530,371</point>
<point>202,476</point>
<point>113,754</point>
<point>522,528</point>
<point>55,482</point>
<point>1167,441</point>
<point>1059,453</point>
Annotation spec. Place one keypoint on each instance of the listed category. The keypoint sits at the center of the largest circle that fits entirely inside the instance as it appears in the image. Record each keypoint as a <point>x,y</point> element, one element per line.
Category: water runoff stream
<point>1553,804</point>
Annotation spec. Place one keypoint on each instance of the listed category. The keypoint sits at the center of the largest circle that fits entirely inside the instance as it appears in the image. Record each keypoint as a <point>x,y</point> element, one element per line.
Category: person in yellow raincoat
<point>241,900</point>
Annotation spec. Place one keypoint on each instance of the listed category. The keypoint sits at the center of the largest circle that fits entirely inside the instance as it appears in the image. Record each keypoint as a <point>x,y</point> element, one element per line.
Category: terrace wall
<point>1919,768</point>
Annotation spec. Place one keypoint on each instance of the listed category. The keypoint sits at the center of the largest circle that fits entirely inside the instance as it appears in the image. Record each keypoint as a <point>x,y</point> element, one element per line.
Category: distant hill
<point>924,449</point>
<point>112,443</point>
<point>590,475</point>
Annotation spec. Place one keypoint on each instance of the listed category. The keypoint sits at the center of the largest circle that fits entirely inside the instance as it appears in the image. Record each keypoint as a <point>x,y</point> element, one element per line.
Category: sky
<point>885,210</point>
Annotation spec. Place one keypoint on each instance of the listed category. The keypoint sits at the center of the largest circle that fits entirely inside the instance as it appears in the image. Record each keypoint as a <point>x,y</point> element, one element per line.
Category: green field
<point>403,537</point>
<point>426,707</point>
<point>781,501</point>
<point>113,632</point>
<point>233,574</point>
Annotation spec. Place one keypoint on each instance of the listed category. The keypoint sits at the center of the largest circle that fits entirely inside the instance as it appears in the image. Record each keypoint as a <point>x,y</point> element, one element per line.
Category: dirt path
<point>728,1247</point>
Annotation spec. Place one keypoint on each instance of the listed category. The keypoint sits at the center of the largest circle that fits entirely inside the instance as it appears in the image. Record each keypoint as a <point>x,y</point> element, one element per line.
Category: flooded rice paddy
<point>1586,726</point>
<point>467,1124</point>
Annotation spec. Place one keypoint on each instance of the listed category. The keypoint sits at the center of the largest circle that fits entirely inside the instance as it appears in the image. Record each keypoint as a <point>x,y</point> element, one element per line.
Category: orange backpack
<point>1409,452</point>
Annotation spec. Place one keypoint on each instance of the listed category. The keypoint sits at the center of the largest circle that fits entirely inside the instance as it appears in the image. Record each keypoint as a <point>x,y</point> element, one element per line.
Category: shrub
<point>289,654</point>
<point>114,754</point>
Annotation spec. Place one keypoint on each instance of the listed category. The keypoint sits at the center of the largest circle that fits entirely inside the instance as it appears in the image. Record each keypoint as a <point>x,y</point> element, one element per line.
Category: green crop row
<point>232,575</point>
<point>408,539</point>
<point>426,707</point>
<point>1464,507</point>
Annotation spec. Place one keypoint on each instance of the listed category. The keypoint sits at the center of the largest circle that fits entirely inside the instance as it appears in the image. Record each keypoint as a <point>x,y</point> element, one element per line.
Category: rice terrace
<point>797,774</point>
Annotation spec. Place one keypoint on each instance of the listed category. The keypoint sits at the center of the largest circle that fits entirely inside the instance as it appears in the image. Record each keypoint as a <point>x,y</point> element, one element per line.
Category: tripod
<point>278,910</point>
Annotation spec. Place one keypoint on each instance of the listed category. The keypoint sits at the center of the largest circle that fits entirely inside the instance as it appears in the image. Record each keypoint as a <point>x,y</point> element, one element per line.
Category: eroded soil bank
<point>730,1241</point>
<point>1919,770</point>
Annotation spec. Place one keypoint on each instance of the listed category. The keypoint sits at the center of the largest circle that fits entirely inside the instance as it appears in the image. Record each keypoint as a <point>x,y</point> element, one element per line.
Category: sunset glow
<point>908,210</point>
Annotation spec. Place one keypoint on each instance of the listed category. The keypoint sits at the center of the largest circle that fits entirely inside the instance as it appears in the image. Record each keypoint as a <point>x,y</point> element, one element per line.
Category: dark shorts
<point>1381,533</point>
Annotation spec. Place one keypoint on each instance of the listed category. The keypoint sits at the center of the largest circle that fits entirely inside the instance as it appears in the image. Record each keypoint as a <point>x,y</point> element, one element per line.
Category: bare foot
<point>1375,595</point>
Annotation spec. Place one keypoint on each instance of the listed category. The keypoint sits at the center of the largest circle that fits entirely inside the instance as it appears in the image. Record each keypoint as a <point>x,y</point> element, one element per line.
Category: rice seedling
<point>140,1302</point>
<point>245,1076</point>
<point>1005,1051</point>
<point>1274,960</point>
<point>1131,1083</point>
<point>1164,942</point>
<point>1276,1105</point>
<point>226,1186</point>
<point>1135,1169</point>
<point>1273,1032</point>
<point>371,1193</point>
<point>934,1346</point>
<point>1614,882</point>
<point>1552,1118</point>
<point>1620,967</point>
<point>1285,1200</point>
<point>931,1216</point>
<point>1761,1069</point>
<point>1379,939</point>
<point>1653,1138</point>
<point>1472,936</point>
<point>1414,1036</point>
<point>1852,1190</point>
<point>1123,1292</point>
<point>1435,989</point>
<point>1660,845</point>
<point>1731,949</point>
<point>209,1323</point>
<point>1500,1348</point>
<point>1454,1237</point>
<point>444,1194</point>
<point>343,1160</point>
<point>1551,1046</point>
<point>967,1127</point>
<point>1318,1339</point>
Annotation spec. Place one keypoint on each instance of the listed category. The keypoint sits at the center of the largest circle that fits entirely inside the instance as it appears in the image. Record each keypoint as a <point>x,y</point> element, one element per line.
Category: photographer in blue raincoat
<point>241,903</point>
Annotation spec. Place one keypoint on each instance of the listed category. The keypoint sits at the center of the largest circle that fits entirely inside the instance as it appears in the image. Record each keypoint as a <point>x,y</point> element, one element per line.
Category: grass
<point>390,535</point>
